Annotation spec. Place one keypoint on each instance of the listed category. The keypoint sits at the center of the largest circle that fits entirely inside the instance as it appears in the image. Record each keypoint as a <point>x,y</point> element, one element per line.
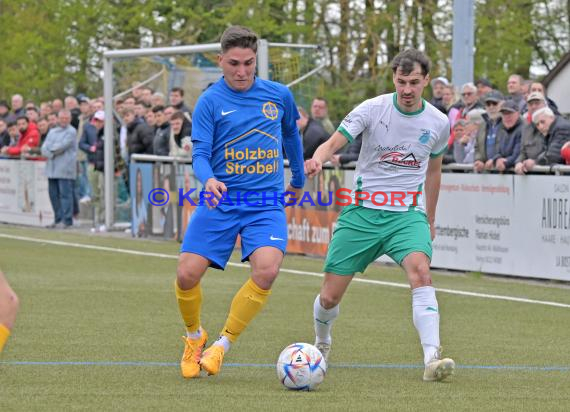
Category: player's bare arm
<point>433,182</point>
<point>324,153</point>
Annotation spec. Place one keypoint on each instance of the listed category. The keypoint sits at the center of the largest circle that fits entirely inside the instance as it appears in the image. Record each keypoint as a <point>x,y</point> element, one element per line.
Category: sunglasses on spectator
<point>491,103</point>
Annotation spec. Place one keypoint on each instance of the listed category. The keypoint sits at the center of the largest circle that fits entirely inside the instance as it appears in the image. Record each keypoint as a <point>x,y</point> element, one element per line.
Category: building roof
<point>557,69</point>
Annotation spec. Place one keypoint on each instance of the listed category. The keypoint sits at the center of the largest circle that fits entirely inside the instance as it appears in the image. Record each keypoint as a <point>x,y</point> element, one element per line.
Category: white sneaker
<point>324,348</point>
<point>84,200</point>
<point>102,228</point>
<point>438,369</point>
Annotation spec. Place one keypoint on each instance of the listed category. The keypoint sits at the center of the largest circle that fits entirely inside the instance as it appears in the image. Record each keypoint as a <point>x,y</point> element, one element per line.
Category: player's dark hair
<point>238,36</point>
<point>159,108</point>
<point>405,61</point>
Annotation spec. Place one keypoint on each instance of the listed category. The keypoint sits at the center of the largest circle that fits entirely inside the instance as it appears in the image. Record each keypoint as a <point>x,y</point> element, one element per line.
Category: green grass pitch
<point>113,317</point>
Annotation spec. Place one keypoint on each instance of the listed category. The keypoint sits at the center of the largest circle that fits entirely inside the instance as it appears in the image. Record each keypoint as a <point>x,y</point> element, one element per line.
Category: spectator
<point>437,86</point>
<point>56,106</point>
<point>32,114</point>
<point>161,143</point>
<point>83,188</point>
<point>71,104</point>
<point>312,132</point>
<point>140,135</point>
<point>515,89</point>
<point>484,86</point>
<point>146,95</point>
<point>150,120</point>
<point>4,135</point>
<point>18,105</point>
<point>180,143</point>
<point>91,135</point>
<point>128,103</point>
<point>556,131</point>
<point>157,99</point>
<point>45,109</point>
<point>320,112</point>
<point>458,129</point>
<point>532,142</point>
<point>350,154</point>
<point>470,100</point>
<point>5,111</point>
<point>14,134</point>
<point>98,104</point>
<point>526,88</point>
<point>508,136</point>
<point>177,100</point>
<point>43,129</point>
<point>168,112</point>
<point>452,104</point>
<point>97,177</point>
<point>52,120</point>
<point>29,137</point>
<point>140,111</point>
<point>448,97</point>
<point>486,143</point>
<point>137,90</point>
<point>60,148</point>
<point>464,144</point>
<point>537,87</point>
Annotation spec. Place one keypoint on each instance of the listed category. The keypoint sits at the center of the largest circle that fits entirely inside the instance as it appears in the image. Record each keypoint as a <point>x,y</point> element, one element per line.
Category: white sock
<point>223,341</point>
<point>195,335</point>
<point>426,320</point>
<point>323,319</point>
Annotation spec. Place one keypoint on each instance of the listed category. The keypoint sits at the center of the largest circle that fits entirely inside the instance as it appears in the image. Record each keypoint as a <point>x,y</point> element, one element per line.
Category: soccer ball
<point>301,367</point>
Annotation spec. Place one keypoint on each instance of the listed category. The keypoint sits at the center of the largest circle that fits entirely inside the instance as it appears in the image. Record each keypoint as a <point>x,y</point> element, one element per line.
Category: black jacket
<point>140,139</point>
<point>509,143</point>
<point>558,134</point>
<point>313,136</point>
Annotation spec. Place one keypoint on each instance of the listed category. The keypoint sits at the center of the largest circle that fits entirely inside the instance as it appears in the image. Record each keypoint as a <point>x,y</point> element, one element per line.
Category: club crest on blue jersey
<point>270,111</point>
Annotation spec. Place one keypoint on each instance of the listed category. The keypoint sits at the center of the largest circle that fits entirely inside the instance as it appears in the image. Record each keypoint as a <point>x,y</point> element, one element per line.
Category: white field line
<point>285,270</point>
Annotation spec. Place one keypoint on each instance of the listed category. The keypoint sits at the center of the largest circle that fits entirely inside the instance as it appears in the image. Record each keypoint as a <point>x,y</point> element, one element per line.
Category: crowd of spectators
<point>492,131</point>
<point>145,122</point>
<point>489,131</point>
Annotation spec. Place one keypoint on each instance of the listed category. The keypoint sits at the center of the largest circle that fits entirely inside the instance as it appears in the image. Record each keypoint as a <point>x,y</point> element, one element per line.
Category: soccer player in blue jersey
<point>240,125</point>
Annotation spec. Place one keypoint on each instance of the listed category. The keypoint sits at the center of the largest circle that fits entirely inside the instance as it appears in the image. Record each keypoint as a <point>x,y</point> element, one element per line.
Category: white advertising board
<point>24,197</point>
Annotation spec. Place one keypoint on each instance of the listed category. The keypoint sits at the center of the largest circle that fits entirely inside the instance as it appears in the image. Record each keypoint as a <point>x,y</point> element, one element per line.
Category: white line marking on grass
<point>292,271</point>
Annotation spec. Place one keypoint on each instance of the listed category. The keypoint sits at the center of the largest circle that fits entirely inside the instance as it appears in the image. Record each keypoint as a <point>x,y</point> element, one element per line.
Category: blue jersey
<point>246,132</point>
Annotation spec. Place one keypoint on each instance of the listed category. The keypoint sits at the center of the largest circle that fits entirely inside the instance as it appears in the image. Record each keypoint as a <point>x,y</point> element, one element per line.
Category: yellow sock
<point>247,303</point>
<point>190,303</point>
<point>4,334</point>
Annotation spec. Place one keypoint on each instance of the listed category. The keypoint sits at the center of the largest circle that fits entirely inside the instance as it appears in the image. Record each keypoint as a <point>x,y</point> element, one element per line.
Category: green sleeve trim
<point>345,133</point>
<point>442,151</point>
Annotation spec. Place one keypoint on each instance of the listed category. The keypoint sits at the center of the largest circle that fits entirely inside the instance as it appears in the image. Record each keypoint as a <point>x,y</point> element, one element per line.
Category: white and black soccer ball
<point>301,366</point>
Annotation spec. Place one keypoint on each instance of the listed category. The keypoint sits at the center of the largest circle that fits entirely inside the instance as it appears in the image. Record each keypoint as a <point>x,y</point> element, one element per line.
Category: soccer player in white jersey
<point>397,182</point>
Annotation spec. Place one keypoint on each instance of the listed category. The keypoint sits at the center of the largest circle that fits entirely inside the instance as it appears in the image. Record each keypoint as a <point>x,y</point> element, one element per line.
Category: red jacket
<point>31,138</point>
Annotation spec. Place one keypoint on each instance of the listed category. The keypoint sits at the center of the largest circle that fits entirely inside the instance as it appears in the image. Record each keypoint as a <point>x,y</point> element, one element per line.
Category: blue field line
<point>269,365</point>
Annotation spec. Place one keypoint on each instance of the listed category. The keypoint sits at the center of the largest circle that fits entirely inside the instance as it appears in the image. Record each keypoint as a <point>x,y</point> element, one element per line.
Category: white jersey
<point>396,148</point>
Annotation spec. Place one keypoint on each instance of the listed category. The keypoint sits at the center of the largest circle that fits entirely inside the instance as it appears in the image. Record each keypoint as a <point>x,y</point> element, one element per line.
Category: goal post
<point>270,65</point>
